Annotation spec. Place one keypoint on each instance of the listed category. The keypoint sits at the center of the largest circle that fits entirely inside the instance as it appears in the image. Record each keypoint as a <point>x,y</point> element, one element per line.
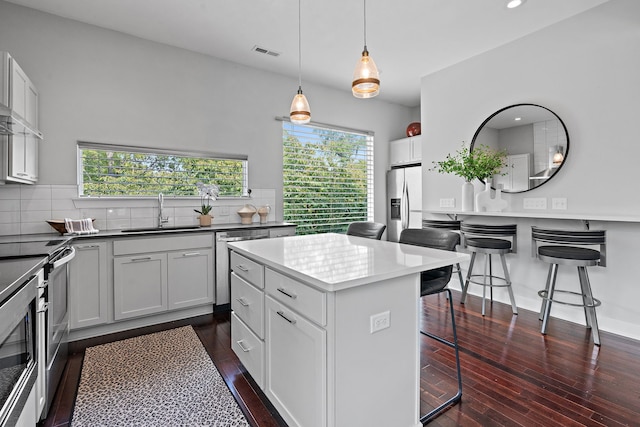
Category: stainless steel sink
<point>145,229</point>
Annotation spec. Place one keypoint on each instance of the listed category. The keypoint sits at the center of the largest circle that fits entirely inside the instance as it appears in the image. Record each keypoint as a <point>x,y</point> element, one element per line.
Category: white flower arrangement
<point>207,194</point>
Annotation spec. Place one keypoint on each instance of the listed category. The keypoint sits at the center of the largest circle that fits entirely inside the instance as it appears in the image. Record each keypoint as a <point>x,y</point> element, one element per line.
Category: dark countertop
<point>120,233</point>
<point>15,272</point>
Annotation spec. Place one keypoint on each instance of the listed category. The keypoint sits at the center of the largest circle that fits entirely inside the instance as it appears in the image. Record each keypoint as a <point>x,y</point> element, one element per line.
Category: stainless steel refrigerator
<point>404,200</point>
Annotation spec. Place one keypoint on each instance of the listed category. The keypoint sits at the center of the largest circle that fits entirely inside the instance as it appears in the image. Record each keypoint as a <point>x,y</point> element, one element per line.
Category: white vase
<point>483,198</point>
<point>467,197</point>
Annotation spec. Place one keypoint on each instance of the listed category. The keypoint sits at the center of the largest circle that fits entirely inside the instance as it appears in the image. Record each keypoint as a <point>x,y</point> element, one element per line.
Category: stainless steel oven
<point>18,362</point>
<point>54,323</point>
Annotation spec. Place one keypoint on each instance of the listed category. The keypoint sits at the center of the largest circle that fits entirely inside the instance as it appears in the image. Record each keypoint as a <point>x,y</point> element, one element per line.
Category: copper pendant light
<point>366,79</point>
<point>300,113</point>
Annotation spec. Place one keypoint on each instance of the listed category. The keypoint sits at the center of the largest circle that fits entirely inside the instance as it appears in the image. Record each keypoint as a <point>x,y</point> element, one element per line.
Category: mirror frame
<point>566,152</point>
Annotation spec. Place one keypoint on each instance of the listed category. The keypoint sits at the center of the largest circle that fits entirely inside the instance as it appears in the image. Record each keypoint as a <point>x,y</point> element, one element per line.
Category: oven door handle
<point>65,259</point>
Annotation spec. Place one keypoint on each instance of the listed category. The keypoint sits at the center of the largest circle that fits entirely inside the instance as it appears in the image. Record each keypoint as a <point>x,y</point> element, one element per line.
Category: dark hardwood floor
<point>512,375</point>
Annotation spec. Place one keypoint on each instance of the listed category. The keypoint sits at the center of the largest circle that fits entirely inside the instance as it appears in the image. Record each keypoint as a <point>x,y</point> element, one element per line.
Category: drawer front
<point>249,270</point>
<point>247,303</point>
<point>162,244</point>
<point>249,349</point>
<point>302,298</point>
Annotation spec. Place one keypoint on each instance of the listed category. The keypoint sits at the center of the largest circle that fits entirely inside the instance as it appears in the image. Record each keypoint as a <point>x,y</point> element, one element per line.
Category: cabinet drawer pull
<point>87,246</point>
<point>242,267</point>
<point>243,301</point>
<point>242,346</point>
<point>281,314</point>
<point>144,258</point>
<point>289,294</point>
<point>191,254</point>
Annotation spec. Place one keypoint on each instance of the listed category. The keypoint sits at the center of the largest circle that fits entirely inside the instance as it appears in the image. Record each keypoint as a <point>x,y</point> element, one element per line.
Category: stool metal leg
<point>547,307</point>
<point>590,303</point>
<point>460,277</point>
<point>514,307</point>
<point>484,282</point>
<point>546,288</point>
<point>490,278</point>
<point>466,283</point>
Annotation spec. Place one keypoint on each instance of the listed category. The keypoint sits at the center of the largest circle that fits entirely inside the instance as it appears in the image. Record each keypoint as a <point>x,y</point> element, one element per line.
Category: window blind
<point>327,177</point>
<point>116,171</point>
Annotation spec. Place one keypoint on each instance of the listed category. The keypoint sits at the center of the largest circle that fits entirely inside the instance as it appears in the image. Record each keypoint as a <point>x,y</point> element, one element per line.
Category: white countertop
<point>542,214</point>
<point>332,262</point>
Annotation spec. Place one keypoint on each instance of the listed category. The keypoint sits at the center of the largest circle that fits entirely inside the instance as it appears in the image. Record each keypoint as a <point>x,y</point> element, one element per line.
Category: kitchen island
<point>328,326</point>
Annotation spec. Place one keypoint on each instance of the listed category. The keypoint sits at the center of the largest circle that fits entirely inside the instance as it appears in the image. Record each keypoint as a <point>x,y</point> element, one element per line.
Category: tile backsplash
<point>24,209</point>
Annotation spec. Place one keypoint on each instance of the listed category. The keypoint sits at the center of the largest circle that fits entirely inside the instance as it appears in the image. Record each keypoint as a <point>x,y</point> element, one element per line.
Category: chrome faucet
<point>161,219</point>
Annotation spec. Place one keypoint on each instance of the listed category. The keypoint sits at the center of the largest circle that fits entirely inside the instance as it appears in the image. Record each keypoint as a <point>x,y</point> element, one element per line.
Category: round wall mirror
<point>536,141</point>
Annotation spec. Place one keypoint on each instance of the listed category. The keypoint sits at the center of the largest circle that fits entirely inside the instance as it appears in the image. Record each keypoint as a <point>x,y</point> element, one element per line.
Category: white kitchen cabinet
<point>18,97</point>
<point>23,95</point>
<point>88,285</point>
<point>158,274</point>
<point>190,276</point>
<point>405,151</point>
<point>296,365</point>
<point>139,285</point>
<point>247,305</point>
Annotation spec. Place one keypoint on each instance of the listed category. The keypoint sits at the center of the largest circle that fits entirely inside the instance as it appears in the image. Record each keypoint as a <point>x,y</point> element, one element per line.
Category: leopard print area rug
<point>161,379</point>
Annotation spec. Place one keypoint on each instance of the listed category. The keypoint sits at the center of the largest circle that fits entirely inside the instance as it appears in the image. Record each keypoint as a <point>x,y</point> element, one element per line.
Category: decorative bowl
<point>59,226</point>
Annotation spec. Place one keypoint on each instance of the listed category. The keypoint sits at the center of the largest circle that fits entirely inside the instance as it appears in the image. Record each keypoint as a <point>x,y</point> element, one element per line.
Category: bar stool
<point>371,230</point>
<point>489,240</point>
<point>567,248</point>
<point>433,282</point>
<point>453,225</point>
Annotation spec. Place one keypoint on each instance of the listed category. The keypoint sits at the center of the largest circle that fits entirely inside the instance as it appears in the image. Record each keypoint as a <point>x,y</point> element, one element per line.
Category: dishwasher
<point>223,287</point>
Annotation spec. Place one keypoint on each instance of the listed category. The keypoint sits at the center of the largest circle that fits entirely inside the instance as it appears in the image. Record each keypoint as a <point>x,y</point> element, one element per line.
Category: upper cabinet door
<point>405,151</point>
<point>23,95</point>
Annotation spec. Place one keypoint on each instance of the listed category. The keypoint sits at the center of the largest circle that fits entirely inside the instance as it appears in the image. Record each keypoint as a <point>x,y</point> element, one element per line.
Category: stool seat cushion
<point>488,243</point>
<point>569,252</point>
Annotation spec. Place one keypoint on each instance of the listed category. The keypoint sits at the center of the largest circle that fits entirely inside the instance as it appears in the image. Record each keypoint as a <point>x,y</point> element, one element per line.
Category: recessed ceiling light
<point>512,4</point>
<point>518,119</point>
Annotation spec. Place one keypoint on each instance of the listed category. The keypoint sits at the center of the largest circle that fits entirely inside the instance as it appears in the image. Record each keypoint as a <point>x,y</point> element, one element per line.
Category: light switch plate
<point>447,203</point>
<point>559,203</point>
<point>534,203</point>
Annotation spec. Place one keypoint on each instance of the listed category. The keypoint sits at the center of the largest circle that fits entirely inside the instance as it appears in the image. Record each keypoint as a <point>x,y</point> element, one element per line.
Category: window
<point>328,177</point>
<point>110,170</point>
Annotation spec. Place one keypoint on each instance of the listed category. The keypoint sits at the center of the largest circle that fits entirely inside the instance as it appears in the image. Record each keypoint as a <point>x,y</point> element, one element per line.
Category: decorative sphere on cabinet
<point>413,129</point>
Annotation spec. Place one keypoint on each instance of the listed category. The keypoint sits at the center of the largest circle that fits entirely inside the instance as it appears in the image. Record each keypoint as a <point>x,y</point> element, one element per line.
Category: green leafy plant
<point>207,193</point>
<point>481,163</point>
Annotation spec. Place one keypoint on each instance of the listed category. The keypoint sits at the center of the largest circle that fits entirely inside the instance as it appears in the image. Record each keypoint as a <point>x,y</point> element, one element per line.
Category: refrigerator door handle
<point>404,215</point>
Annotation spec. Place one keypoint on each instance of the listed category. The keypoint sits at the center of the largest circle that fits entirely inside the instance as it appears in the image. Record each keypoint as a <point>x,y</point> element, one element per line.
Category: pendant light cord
<point>299,47</point>
<point>365,24</point>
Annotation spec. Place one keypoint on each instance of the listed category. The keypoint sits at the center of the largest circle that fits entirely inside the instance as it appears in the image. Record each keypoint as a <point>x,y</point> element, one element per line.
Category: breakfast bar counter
<point>327,325</point>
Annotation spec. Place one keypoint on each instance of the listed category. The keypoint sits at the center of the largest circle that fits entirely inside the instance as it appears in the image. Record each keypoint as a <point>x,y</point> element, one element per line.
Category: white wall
<point>586,70</point>
<point>103,86</point>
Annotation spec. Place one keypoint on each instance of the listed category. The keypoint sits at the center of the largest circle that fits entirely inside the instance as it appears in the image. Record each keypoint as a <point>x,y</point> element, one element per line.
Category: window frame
<point>369,173</point>
<point>86,145</point>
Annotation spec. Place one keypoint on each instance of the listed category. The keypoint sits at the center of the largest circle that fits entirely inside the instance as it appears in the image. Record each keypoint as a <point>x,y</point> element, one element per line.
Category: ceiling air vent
<point>265,51</point>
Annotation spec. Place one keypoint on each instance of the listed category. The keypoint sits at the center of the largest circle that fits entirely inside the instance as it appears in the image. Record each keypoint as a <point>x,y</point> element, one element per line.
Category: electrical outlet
<point>559,203</point>
<point>380,321</point>
<point>534,203</point>
<point>447,203</point>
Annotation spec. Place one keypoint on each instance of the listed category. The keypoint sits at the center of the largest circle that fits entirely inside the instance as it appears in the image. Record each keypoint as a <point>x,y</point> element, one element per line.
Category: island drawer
<point>249,349</point>
<point>302,298</point>
<point>249,270</point>
<point>247,303</point>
